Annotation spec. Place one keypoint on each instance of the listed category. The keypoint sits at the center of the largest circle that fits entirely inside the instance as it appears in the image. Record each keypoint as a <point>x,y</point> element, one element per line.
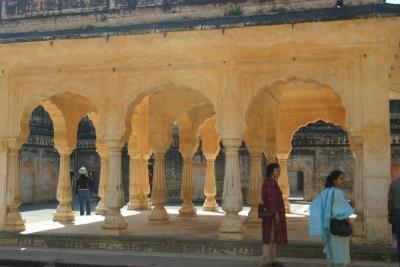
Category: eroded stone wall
<point>42,16</point>
<point>39,173</point>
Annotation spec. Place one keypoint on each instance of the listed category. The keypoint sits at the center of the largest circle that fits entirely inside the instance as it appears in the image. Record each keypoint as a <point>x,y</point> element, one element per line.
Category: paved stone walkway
<point>39,219</point>
<point>135,259</point>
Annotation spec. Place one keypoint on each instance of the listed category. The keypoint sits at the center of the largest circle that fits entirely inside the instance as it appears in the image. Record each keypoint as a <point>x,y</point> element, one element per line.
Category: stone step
<point>188,245</point>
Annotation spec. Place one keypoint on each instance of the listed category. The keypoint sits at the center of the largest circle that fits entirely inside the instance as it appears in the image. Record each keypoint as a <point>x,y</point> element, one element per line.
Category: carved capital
<point>114,144</point>
<point>231,143</point>
<point>64,151</point>
<point>14,144</point>
<point>282,156</point>
<point>255,150</point>
<point>210,157</point>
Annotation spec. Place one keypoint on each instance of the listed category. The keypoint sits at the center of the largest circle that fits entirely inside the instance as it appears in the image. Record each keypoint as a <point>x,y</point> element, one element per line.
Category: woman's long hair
<point>270,169</point>
<point>332,177</point>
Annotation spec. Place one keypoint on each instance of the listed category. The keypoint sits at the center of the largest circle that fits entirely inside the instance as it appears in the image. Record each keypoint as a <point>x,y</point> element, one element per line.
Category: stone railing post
<point>159,194</point>
<point>114,221</point>
<point>64,211</point>
<point>210,188</point>
<point>101,207</point>
<point>283,181</point>
<point>187,188</point>
<point>232,199</point>
<point>14,221</point>
<point>255,185</point>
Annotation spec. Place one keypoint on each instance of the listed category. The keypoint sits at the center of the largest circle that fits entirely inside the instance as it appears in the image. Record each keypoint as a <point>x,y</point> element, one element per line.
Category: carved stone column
<point>283,181</point>
<point>114,222</point>
<point>146,182</point>
<point>137,196</point>
<point>255,186</point>
<point>232,199</point>
<point>358,192</point>
<point>187,189</point>
<point>101,207</point>
<point>159,194</point>
<point>64,211</point>
<point>210,188</point>
<point>14,221</point>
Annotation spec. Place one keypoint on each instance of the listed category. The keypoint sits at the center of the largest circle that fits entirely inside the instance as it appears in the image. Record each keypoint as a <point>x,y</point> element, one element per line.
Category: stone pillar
<point>101,207</point>
<point>13,222</point>
<point>358,192</point>
<point>232,199</point>
<point>114,222</point>
<point>210,188</point>
<point>137,196</point>
<point>64,192</point>
<point>159,194</point>
<point>376,146</point>
<point>146,183</point>
<point>283,181</point>
<point>255,186</point>
<point>187,188</point>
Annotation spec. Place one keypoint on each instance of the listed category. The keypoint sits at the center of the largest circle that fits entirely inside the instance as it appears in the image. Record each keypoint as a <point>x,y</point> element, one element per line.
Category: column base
<point>231,227</point>
<point>158,215</point>
<point>114,232</point>
<point>187,210</point>
<point>210,204</point>
<point>138,205</point>
<point>149,203</point>
<point>252,220</point>
<point>101,208</point>
<point>63,214</point>
<point>230,236</point>
<point>114,220</point>
<point>14,222</point>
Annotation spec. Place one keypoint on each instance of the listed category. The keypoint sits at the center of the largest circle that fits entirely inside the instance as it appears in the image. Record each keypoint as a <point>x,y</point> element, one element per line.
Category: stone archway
<point>150,121</point>
<point>276,112</point>
<point>64,109</point>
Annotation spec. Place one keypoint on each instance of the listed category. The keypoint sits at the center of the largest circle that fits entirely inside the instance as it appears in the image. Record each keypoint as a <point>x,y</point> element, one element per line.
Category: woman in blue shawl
<point>331,204</point>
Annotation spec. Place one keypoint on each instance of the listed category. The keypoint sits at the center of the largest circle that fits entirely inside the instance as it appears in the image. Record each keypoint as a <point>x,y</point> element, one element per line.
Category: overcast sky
<point>393,1</point>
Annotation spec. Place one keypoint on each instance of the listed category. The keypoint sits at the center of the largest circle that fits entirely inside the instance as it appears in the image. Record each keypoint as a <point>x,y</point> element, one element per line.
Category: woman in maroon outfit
<point>274,230</point>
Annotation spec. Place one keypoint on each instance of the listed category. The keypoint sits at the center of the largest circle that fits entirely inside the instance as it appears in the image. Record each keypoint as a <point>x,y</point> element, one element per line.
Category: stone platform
<point>197,236</point>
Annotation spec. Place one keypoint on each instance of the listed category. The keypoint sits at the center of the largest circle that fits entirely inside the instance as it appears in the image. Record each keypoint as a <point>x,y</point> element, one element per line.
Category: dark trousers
<point>397,230</point>
<point>84,198</point>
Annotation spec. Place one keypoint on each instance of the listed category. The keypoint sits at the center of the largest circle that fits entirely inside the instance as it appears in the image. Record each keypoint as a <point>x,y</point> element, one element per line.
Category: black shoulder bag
<point>264,212</point>
<point>339,227</point>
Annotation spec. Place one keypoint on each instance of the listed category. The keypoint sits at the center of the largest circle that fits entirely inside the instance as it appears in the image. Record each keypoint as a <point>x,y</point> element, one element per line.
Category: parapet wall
<point>54,15</point>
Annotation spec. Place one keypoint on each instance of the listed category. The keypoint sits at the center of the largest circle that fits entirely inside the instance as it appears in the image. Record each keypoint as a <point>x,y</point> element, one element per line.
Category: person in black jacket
<point>82,188</point>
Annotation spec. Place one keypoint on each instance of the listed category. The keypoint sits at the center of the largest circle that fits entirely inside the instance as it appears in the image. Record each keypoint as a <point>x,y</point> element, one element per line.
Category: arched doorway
<point>317,149</point>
